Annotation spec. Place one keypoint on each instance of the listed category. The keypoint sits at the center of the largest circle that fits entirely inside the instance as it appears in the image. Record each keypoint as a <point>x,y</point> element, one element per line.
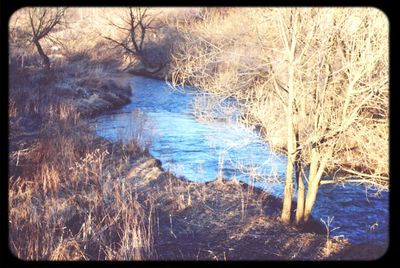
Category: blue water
<point>163,120</point>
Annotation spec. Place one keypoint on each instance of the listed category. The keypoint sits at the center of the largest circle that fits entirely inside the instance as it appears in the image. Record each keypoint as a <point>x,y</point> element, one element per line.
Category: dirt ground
<point>220,220</point>
<point>228,220</point>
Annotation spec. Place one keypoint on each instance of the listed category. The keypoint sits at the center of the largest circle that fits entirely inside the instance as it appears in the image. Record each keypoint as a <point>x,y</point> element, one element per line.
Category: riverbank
<point>74,195</point>
<point>189,154</point>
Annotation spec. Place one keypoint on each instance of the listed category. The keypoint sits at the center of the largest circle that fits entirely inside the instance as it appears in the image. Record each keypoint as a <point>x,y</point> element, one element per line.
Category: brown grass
<point>75,196</point>
<point>70,205</point>
<point>67,199</point>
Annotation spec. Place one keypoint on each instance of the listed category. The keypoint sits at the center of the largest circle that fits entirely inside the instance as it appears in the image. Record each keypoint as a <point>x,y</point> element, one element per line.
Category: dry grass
<point>224,220</point>
<point>70,205</point>
<point>67,196</point>
<point>74,196</point>
<point>73,41</point>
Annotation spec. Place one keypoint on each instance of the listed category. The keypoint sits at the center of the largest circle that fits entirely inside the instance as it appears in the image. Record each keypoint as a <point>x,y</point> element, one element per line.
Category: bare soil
<point>228,220</point>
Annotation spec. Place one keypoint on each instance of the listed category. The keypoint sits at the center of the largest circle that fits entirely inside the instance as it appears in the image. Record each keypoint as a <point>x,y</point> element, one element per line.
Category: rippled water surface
<point>163,120</point>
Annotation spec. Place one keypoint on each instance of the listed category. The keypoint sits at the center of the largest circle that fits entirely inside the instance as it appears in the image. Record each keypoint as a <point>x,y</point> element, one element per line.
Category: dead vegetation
<point>61,196</point>
<point>64,204</point>
<point>75,196</point>
<point>315,80</point>
<point>221,220</point>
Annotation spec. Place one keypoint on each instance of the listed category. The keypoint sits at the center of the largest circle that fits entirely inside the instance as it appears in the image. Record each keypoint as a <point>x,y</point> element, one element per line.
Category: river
<point>162,120</point>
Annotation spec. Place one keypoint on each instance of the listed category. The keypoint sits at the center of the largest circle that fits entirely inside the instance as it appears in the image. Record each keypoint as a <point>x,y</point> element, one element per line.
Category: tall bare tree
<point>326,79</point>
<point>334,66</point>
<point>42,21</point>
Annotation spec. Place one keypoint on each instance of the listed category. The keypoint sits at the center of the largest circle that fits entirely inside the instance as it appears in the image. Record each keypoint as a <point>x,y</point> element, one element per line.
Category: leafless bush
<point>207,107</point>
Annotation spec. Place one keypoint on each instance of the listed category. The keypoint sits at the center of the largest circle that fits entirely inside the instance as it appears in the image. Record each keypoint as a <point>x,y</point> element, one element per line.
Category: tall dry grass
<point>68,199</point>
<point>64,200</point>
<point>67,204</point>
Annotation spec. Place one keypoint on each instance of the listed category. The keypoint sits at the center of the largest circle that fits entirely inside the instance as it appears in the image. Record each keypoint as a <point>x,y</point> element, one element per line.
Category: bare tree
<point>42,21</point>
<point>137,24</point>
<point>329,85</point>
<point>327,73</point>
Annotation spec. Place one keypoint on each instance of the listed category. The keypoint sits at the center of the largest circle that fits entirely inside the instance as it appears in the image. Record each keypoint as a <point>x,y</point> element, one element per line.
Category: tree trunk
<point>310,199</point>
<point>313,184</point>
<point>300,185</point>
<point>288,192</point>
<point>291,154</point>
<point>300,200</point>
<point>312,174</point>
<point>45,59</point>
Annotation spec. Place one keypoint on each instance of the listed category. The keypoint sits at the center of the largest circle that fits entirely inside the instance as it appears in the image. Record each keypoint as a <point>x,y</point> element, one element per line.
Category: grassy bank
<point>76,196</point>
<point>59,188</point>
